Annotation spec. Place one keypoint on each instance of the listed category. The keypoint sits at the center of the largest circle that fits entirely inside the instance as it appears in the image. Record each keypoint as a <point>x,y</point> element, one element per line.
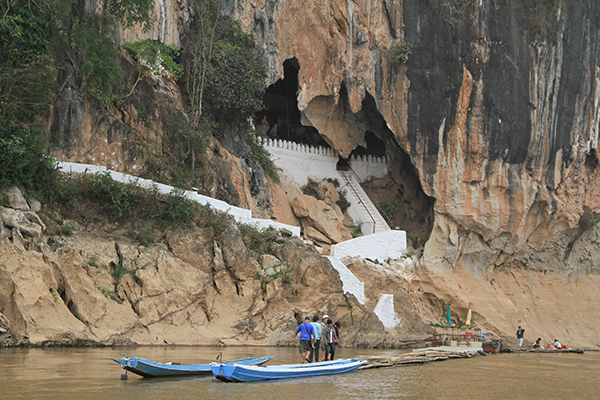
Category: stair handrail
<point>385,215</point>
<point>349,183</point>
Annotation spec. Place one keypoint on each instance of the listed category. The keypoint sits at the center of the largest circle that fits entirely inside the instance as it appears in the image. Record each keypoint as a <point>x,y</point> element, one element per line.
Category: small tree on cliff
<point>225,77</point>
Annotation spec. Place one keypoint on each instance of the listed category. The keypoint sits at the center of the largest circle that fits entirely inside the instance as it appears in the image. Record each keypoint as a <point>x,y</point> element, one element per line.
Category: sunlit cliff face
<point>497,118</point>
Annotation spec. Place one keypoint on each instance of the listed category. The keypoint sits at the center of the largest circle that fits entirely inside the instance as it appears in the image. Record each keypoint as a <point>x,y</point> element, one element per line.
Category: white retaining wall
<point>385,311</point>
<point>350,282</point>
<point>300,161</point>
<point>378,246</point>
<point>240,214</point>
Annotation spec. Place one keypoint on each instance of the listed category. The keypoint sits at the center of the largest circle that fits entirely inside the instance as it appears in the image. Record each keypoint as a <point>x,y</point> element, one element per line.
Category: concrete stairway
<point>362,209</point>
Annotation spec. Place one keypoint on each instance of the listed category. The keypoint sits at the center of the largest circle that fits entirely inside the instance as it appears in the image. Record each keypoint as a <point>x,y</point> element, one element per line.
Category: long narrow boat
<point>151,369</point>
<point>243,373</point>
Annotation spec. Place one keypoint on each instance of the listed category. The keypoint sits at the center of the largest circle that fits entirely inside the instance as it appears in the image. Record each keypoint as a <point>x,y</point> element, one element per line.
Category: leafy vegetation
<point>98,196</point>
<point>225,77</point>
<point>156,56</point>
<point>118,270</point>
<point>284,274</point>
<point>357,230</point>
<point>312,188</point>
<point>400,52</point>
<point>259,241</point>
<point>389,209</point>
<point>38,39</point>
<point>263,157</point>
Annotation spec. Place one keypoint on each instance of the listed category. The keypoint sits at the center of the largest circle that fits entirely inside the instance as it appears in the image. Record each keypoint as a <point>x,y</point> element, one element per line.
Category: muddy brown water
<point>90,374</point>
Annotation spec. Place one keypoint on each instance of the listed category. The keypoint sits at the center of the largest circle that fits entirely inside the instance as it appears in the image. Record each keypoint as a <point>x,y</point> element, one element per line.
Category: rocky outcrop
<point>496,114</point>
<point>320,221</point>
<point>99,287</point>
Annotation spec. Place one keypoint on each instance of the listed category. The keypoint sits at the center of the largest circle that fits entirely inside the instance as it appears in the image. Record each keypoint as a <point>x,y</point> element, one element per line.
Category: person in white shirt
<point>557,344</point>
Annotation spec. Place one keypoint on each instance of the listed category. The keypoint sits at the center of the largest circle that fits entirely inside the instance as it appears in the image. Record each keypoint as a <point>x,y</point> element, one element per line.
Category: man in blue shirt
<point>307,335</point>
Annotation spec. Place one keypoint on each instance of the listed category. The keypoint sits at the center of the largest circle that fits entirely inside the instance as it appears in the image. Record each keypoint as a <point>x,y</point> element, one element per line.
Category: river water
<point>89,373</point>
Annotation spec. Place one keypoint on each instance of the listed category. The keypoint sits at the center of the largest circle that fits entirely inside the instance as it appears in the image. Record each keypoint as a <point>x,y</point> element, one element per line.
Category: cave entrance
<point>399,195</point>
<point>281,117</point>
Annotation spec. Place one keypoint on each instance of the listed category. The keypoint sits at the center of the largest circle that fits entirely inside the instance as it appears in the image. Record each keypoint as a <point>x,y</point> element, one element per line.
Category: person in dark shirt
<point>520,333</point>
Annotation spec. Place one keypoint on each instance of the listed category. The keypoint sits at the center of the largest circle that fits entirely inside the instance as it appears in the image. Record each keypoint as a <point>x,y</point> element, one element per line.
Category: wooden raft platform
<point>530,350</point>
<point>421,357</point>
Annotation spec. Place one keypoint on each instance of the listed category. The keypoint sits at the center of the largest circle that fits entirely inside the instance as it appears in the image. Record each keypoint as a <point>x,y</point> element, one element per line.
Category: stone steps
<point>365,211</point>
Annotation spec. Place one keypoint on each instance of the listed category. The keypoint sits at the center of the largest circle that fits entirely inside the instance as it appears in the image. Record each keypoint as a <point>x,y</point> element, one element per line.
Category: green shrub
<point>259,241</point>
<point>177,208</point>
<point>357,230</point>
<point>156,56</point>
<point>217,221</point>
<point>389,209</point>
<point>67,229</point>
<point>4,199</point>
<point>343,202</point>
<point>400,52</point>
<point>334,181</point>
<point>312,189</point>
<point>119,269</point>
<point>116,199</point>
<point>263,157</point>
<point>142,232</point>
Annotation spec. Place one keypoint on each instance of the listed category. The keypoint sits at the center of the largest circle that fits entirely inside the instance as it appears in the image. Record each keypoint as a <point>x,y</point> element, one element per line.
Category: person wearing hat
<point>307,336</point>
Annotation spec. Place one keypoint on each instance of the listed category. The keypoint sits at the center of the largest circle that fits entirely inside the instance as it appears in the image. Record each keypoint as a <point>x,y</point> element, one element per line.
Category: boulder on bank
<point>320,221</point>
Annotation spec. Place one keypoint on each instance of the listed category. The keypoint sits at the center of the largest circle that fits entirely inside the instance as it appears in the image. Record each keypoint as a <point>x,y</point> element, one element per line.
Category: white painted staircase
<point>363,210</point>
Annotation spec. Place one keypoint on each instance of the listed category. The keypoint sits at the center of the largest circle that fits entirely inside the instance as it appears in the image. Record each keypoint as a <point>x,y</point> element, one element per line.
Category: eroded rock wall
<point>96,286</point>
<point>500,123</point>
<point>498,113</point>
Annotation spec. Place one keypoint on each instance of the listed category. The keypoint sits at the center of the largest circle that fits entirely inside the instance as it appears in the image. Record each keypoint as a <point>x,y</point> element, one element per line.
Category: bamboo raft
<point>421,357</point>
<point>530,350</point>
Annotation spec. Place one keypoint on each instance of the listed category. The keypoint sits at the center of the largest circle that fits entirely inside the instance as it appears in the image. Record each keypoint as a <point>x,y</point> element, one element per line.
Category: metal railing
<point>356,195</point>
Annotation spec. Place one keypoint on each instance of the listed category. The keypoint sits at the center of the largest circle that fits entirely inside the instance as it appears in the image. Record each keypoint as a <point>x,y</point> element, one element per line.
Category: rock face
<point>320,221</point>
<point>498,118</point>
<point>96,287</point>
<point>496,112</point>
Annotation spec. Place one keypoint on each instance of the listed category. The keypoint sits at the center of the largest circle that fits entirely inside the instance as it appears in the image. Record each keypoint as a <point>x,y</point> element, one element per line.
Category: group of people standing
<point>538,343</point>
<point>318,336</point>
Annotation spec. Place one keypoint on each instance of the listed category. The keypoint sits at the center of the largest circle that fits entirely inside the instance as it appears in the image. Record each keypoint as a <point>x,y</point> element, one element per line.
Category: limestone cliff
<point>489,113</point>
<point>496,105</point>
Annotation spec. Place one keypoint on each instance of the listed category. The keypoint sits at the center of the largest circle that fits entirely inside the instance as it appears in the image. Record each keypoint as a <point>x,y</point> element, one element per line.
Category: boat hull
<point>242,373</point>
<point>151,369</point>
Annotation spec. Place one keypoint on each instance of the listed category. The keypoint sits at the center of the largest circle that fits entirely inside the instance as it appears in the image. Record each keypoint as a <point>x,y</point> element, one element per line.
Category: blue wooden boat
<point>242,373</point>
<point>151,369</point>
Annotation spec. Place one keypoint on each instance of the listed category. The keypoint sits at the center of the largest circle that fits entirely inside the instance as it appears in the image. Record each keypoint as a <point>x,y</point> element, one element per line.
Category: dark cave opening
<point>399,192</point>
<point>400,189</point>
<point>280,118</point>
<point>591,161</point>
